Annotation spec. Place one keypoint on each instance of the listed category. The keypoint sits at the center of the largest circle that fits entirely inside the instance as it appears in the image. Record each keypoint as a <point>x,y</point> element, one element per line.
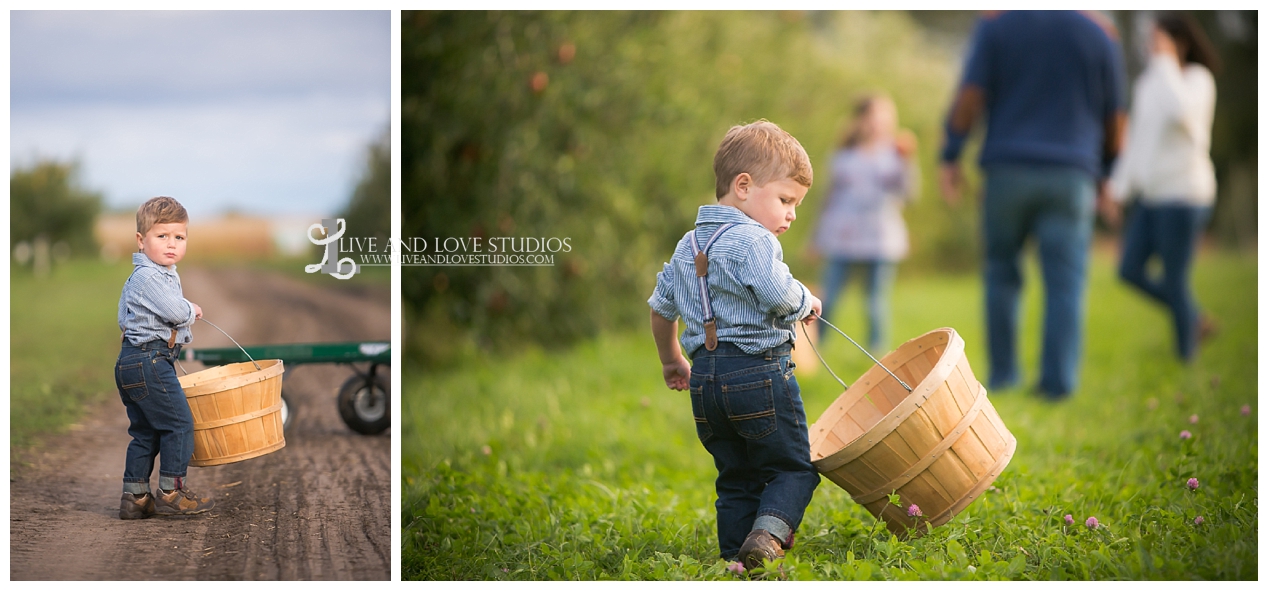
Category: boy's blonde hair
<point>763,150</point>
<point>160,210</point>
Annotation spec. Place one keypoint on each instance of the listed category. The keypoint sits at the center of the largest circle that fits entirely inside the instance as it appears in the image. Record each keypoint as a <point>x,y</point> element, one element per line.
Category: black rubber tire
<point>288,412</point>
<point>364,409</point>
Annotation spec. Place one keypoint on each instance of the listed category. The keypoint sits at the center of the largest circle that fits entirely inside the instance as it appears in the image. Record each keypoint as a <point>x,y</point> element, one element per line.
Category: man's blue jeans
<point>1171,232</point>
<point>158,412</point>
<point>880,276</point>
<point>1056,205</point>
<point>749,416</point>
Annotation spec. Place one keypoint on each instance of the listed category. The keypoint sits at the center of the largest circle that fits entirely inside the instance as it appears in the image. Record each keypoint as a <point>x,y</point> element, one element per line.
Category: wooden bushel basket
<point>938,447</point>
<point>237,411</point>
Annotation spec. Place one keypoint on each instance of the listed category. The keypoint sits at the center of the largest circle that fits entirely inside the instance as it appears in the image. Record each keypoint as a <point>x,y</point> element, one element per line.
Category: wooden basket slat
<point>962,385</point>
<point>870,468</point>
<point>925,486</point>
<point>920,435</point>
<point>847,429</point>
<point>993,433</point>
<point>942,411</point>
<point>974,454</point>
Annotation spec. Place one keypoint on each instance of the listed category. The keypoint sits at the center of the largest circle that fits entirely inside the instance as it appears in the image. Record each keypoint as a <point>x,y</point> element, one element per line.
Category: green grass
<point>64,339</point>
<point>582,465</point>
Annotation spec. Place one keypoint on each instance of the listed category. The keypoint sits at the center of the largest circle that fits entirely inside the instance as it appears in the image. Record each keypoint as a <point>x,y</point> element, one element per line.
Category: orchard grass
<point>63,343</point>
<point>581,464</point>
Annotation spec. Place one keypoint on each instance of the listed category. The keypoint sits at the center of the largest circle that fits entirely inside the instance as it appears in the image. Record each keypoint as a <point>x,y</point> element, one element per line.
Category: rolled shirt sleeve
<point>662,300</point>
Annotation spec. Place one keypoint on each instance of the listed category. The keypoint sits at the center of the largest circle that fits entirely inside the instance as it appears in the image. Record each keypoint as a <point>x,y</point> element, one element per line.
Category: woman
<point>1166,166</point>
<point>861,223</point>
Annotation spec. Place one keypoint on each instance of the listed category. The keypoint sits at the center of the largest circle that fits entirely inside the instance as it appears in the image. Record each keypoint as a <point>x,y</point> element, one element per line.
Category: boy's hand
<point>816,309</point>
<point>677,373</point>
<point>198,311</point>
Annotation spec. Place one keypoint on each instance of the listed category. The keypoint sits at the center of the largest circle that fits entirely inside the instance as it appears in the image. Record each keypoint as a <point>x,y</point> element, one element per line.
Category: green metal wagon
<point>364,399</point>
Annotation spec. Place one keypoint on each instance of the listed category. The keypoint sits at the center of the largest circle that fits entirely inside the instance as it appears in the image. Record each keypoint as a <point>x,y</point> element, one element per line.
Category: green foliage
<point>369,210</point>
<point>582,465</point>
<point>600,126</point>
<point>46,199</point>
<point>63,344</point>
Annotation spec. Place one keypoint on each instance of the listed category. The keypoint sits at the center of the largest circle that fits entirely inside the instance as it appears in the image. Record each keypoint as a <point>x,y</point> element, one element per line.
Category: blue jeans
<point>1170,232</point>
<point>880,276</point>
<point>749,417</point>
<point>158,412</point>
<point>1056,205</point>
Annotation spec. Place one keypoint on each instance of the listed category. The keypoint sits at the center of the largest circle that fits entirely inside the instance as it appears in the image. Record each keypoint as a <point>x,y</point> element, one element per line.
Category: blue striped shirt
<point>755,298</point>
<point>152,304</point>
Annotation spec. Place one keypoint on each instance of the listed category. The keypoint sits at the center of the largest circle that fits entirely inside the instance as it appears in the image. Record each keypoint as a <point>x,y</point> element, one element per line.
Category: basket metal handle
<point>244,351</point>
<point>869,355</point>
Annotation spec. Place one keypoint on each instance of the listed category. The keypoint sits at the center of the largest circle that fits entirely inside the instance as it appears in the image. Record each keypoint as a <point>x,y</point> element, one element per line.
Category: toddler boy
<point>155,319</point>
<point>728,282</point>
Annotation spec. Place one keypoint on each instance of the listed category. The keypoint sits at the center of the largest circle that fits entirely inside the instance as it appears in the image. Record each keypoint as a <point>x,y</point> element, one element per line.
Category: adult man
<point>1050,84</point>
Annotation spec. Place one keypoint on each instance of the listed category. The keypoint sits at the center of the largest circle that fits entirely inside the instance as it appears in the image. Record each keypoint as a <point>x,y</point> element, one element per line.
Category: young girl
<point>874,175</point>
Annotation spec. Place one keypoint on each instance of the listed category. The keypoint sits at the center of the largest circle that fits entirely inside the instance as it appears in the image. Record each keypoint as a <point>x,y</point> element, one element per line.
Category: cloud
<point>255,111</point>
<point>196,56</point>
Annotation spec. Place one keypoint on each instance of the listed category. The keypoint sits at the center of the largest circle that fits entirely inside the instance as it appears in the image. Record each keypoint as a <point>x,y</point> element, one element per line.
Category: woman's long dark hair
<point>1192,44</point>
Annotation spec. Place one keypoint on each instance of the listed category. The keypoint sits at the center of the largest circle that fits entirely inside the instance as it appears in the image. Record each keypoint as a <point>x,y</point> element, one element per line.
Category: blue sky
<point>256,111</point>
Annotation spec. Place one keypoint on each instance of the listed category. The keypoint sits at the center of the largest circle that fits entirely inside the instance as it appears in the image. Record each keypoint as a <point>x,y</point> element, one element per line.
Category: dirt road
<point>318,509</point>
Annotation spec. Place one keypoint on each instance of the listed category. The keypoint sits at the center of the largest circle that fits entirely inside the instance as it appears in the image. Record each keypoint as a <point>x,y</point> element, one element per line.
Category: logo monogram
<point>330,263</point>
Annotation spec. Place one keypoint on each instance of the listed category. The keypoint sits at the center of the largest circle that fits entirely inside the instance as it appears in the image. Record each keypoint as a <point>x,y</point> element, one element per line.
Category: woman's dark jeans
<point>158,413</point>
<point>1170,232</point>
<point>749,416</point>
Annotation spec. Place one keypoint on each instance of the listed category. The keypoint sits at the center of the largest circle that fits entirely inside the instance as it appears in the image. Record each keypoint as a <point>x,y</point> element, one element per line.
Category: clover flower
<point>1185,434</point>
<point>914,511</point>
<point>1092,523</point>
<point>1193,419</point>
<point>1193,484</point>
<point>1245,410</point>
<point>1069,519</point>
<point>736,567</point>
<point>1198,520</point>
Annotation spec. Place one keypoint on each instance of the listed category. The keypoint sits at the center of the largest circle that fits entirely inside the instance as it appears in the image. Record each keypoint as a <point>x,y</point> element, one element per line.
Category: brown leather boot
<point>136,506</point>
<point>181,501</point>
<point>759,546</point>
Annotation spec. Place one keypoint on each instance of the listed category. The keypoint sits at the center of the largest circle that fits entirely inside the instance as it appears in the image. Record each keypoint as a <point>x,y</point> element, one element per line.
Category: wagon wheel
<point>288,409</point>
<point>364,404</point>
<point>288,412</point>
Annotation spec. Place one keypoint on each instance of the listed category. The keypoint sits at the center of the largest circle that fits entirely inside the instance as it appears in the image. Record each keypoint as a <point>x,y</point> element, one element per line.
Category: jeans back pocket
<point>703,431</point>
<point>131,380</point>
<point>751,408</point>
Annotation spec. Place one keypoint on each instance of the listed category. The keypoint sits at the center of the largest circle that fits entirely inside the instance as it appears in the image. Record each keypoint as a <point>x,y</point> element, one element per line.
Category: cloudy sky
<point>254,111</point>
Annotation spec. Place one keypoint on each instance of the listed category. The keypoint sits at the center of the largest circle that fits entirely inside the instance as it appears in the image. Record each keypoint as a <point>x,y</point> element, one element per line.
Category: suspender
<point>701,259</point>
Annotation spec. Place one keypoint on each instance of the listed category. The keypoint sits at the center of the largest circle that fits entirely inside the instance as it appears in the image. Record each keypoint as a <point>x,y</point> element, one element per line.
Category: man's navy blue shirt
<point>1051,79</point>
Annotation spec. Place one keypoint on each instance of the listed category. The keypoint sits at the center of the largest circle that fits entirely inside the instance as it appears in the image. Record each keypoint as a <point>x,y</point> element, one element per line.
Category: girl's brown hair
<point>863,106</point>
